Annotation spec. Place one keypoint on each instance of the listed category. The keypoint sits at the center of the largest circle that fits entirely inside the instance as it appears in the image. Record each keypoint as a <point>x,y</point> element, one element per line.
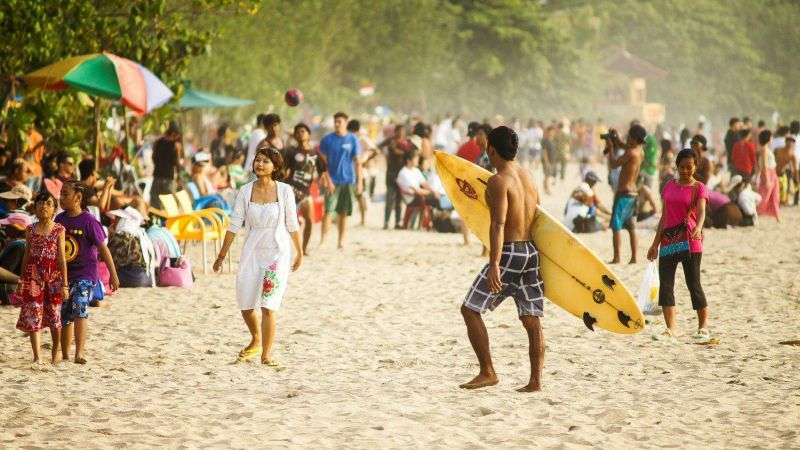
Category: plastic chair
<point>421,211</point>
<point>206,201</point>
<point>185,207</point>
<point>194,227</point>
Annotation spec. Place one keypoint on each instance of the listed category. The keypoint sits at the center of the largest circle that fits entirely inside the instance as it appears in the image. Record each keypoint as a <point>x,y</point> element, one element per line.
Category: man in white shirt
<point>258,135</point>
<point>413,186</point>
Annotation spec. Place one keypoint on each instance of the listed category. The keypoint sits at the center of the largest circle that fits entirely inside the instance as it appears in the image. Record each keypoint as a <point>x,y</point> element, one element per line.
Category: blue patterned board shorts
<point>81,293</point>
<point>519,274</point>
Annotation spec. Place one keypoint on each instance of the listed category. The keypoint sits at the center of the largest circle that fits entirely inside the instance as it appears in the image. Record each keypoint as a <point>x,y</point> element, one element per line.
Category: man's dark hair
<point>764,137</point>
<point>353,126</point>
<point>174,128</point>
<point>504,141</point>
<point>733,121</point>
<point>260,119</point>
<point>472,129</point>
<point>761,123</point>
<point>421,130</point>
<point>86,168</point>
<point>700,139</point>
<point>591,178</point>
<point>486,128</point>
<point>637,133</point>
<point>340,114</point>
<point>744,133</point>
<point>302,125</point>
<point>746,119</point>
<point>222,130</point>
<point>271,119</point>
<point>782,130</point>
<point>794,127</point>
<point>62,157</point>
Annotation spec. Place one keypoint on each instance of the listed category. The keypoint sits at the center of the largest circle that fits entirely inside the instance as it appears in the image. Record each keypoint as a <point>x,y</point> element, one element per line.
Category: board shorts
<point>341,200</point>
<point>623,213</point>
<point>521,279</point>
<point>81,293</point>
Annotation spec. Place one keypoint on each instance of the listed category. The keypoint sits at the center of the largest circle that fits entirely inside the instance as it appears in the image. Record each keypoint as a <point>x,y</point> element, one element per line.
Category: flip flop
<point>247,355</point>
<point>271,363</point>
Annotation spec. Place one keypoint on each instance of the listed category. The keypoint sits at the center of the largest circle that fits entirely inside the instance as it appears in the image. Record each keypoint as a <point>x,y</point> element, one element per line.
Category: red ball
<point>293,97</point>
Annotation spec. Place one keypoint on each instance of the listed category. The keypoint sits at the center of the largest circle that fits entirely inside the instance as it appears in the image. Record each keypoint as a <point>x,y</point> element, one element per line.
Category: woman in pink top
<point>684,204</point>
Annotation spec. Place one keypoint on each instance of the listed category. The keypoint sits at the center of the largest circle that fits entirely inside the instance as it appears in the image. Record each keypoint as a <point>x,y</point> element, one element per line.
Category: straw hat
<point>18,192</point>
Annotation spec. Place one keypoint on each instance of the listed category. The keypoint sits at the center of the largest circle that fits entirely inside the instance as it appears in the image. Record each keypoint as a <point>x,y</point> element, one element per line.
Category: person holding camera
<point>623,212</point>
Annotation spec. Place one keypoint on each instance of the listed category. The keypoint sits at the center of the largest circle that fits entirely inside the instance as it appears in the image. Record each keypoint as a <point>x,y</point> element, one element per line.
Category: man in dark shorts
<point>623,213</point>
<point>341,150</point>
<point>513,269</point>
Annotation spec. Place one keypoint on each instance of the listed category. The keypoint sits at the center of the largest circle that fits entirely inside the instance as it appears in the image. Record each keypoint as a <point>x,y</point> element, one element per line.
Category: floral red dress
<point>40,290</point>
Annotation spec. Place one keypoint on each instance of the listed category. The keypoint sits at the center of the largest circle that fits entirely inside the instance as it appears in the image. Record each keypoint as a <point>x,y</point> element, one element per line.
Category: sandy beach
<point>372,349</point>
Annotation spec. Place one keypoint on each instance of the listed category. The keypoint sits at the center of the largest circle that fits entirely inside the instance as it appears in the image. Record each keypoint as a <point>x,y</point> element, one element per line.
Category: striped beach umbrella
<point>104,75</point>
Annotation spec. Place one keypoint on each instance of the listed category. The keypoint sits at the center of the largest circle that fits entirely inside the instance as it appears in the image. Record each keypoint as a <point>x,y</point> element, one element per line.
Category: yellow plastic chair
<point>185,205</point>
<point>216,214</point>
<point>191,227</point>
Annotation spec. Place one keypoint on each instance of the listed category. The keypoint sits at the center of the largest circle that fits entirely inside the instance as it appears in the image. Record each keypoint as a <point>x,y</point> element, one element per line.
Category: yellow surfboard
<point>574,277</point>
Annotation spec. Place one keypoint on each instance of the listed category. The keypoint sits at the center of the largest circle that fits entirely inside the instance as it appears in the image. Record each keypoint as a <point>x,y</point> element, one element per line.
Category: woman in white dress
<point>266,211</point>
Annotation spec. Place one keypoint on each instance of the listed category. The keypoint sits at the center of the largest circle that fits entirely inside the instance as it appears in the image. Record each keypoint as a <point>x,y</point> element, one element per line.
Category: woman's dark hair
<point>684,154</point>
<point>353,126</point>
<point>80,188</point>
<point>505,142</point>
<point>86,168</point>
<point>276,158</point>
<point>271,119</point>
<point>44,196</point>
<point>302,125</point>
<point>764,137</point>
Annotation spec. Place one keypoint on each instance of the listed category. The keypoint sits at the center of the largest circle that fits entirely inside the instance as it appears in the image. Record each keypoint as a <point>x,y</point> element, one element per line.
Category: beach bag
<point>176,273</point>
<point>675,240</point>
<point>134,277</point>
<point>647,298</point>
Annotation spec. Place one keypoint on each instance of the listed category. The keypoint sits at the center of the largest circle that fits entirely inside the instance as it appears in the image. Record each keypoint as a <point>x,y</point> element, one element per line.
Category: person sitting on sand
<point>266,210</point>
<point>679,239</point>
<point>624,210</point>
<point>513,269</point>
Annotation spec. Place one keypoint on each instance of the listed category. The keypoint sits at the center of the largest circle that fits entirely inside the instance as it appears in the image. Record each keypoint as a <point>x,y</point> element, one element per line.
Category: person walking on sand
<point>768,180</point>
<point>623,212</point>
<point>84,242</point>
<point>341,151</point>
<point>513,269</point>
<point>43,284</point>
<point>265,209</point>
<point>679,239</point>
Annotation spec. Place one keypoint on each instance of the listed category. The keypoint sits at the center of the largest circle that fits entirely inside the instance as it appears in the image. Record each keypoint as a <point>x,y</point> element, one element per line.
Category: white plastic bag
<point>647,299</point>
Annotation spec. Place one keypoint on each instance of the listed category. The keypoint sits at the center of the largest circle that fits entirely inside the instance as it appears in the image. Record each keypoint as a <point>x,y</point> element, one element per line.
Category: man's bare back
<point>629,173</point>
<point>514,182</point>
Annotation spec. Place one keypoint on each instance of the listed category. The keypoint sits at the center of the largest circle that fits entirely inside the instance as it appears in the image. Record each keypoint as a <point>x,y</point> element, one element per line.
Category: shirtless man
<point>513,269</point>
<point>786,167</point>
<point>623,213</point>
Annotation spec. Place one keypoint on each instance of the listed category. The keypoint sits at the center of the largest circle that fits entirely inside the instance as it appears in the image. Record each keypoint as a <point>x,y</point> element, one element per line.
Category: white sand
<point>373,348</point>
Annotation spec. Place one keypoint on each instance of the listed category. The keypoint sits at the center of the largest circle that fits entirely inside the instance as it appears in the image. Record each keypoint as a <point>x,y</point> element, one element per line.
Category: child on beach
<point>42,286</point>
<point>84,240</point>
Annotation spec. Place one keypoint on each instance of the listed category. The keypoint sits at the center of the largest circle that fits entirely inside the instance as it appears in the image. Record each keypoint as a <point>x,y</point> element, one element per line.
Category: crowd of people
<point>331,169</point>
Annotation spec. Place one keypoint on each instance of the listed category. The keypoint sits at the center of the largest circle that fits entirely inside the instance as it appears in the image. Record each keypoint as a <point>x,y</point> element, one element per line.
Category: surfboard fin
<point>624,318</point>
<point>589,321</point>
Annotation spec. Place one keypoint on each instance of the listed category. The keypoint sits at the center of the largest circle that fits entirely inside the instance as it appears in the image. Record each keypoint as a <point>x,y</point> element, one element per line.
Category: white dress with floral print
<point>266,254</point>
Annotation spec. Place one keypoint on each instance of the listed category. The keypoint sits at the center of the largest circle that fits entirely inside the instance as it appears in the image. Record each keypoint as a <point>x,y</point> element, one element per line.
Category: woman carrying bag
<point>679,239</point>
<point>265,209</point>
